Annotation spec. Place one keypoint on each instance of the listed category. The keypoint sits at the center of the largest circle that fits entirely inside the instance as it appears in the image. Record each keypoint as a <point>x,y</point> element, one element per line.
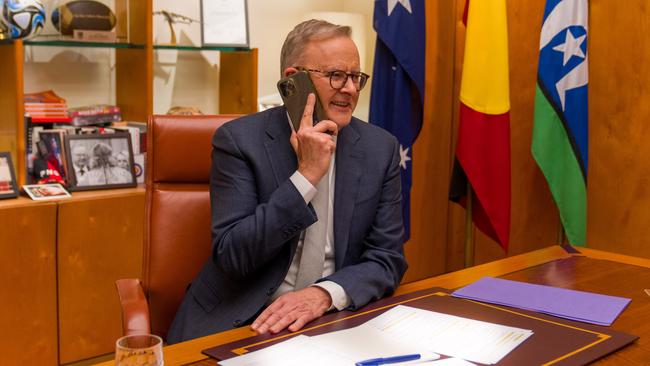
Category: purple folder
<point>570,304</point>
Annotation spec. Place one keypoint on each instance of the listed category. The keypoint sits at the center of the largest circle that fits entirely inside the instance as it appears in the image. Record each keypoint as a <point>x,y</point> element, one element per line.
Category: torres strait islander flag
<point>561,131</point>
<point>397,94</point>
<point>483,147</point>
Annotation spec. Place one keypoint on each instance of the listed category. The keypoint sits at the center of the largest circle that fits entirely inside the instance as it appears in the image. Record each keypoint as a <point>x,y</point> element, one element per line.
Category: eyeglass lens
<point>339,78</point>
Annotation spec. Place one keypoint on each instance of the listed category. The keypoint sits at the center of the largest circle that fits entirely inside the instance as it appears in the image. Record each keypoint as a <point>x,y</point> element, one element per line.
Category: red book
<point>50,119</point>
<point>47,96</point>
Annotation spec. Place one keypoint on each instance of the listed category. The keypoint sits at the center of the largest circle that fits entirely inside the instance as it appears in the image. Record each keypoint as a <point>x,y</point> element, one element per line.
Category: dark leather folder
<point>555,341</point>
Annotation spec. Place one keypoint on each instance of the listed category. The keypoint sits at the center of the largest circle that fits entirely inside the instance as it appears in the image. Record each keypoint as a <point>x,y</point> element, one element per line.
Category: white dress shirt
<point>340,300</point>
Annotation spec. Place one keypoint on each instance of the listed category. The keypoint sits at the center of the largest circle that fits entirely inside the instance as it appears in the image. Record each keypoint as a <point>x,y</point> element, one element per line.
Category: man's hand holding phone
<point>314,144</point>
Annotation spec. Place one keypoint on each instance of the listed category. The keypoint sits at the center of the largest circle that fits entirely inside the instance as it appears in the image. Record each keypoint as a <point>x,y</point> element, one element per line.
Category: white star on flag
<point>403,156</point>
<point>393,3</point>
<point>571,47</point>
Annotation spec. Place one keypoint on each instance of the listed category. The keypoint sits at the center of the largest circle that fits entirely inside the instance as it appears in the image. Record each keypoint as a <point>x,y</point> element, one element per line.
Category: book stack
<point>95,114</point>
<point>138,131</point>
<point>46,107</point>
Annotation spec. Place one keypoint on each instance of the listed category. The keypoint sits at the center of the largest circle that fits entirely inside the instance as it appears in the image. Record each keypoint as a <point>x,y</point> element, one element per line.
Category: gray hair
<point>303,33</point>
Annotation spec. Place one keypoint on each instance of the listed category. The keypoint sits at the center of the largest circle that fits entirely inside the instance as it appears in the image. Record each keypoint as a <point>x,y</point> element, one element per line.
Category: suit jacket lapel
<point>281,155</point>
<point>349,167</point>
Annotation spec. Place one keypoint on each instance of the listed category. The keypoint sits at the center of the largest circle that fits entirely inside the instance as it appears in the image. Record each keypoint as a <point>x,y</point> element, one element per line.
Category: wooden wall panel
<point>618,193</point>
<point>28,283</point>
<point>134,83</point>
<point>456,230</point>
<point>619,115</point>
<point>425,251</point>
<point>134,66</point>
<point>11,104</point>
<point>100,240</point>
<point>238,82</point>
<point>534,217</point>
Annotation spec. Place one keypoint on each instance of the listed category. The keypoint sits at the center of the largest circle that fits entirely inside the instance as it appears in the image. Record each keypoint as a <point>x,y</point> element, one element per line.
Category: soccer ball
<point>24,18</point>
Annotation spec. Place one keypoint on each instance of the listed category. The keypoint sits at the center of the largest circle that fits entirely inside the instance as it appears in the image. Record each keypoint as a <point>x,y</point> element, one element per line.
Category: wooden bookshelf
<point>61,258</point>
<point>134,76</point>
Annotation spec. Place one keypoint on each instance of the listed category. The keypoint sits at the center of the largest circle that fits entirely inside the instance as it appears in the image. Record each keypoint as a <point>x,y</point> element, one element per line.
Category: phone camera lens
<point>288,88</point>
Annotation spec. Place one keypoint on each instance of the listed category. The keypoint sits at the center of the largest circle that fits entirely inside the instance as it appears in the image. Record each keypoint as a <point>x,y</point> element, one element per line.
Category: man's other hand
<point>293,310</point>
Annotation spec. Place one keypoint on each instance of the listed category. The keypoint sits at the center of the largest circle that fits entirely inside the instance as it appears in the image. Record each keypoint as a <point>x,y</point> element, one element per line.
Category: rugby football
<point>83,14</point>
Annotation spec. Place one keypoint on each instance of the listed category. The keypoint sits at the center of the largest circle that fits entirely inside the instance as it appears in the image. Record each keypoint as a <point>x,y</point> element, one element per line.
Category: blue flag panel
<point>563,74</point>
<point>397,93</point>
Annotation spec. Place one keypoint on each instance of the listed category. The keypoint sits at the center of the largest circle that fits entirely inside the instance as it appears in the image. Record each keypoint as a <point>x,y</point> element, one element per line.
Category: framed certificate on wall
<point>224,23</point>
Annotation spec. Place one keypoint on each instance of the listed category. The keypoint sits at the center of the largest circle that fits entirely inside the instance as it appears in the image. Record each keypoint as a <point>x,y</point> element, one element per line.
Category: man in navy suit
<point>264,189</point>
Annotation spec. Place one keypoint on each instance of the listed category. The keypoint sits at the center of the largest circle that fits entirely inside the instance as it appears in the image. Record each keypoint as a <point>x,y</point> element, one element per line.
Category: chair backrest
<point>177,228</point>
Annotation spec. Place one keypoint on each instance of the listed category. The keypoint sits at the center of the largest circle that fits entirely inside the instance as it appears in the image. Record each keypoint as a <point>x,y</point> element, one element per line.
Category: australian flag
<point>397,94</point>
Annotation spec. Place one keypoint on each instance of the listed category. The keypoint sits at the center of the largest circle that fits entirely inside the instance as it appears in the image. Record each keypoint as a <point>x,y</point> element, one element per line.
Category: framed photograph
<point>99,161</point>
<point>224,23</point>
<point>42,192</point>
<point>8,187</point>
<point>52,150</point>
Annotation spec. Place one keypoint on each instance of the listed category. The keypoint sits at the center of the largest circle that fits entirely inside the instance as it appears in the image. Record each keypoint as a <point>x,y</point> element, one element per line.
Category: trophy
<point>4,31</point>
<point>174,18</point>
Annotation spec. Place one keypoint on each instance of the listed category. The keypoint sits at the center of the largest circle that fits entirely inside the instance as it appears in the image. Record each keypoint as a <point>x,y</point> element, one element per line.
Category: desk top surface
<point>594,271</point>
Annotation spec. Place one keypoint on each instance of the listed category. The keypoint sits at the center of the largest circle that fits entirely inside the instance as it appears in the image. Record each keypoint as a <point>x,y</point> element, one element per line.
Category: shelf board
<point>22,201</point>
<point>70,43</point>
<point>67,42</point>
<point>197,48</point>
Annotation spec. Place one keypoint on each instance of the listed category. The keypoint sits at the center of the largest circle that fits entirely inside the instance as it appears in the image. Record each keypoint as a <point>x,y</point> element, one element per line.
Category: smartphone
<point>294,90</point>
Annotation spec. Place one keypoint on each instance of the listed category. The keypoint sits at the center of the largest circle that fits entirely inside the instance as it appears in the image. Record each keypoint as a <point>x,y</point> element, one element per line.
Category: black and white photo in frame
<point>100,161</point>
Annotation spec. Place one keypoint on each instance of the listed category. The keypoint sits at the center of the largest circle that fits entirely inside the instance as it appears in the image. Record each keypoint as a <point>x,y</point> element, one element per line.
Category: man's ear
<point>289,71</point>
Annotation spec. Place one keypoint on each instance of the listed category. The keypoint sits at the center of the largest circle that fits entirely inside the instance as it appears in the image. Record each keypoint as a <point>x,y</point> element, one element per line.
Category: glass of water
<point>139,350</point>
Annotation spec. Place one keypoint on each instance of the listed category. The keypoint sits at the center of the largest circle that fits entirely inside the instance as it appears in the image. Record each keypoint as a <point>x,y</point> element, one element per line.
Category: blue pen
<point>385,360</point>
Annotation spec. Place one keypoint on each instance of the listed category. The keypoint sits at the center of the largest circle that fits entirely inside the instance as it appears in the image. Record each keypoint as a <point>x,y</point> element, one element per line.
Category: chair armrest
<point>135,308</point>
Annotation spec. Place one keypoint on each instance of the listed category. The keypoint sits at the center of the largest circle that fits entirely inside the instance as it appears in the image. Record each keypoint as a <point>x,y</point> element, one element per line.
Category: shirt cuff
<point>340,300</point>
<point>306,189</point>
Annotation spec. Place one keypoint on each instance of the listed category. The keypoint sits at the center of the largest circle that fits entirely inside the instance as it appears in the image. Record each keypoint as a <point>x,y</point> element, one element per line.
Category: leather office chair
<point>177,223</point>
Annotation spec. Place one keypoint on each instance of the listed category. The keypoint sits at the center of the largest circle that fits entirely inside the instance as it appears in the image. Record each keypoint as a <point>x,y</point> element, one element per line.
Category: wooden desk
<point>593,270</point>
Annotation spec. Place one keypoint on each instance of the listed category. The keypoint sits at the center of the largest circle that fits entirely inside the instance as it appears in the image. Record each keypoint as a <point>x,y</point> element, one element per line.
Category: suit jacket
<point>258,214</point>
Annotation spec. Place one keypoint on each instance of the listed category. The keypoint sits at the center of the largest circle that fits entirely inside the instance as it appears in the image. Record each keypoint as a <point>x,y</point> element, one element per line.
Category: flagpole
<point>469,229</point>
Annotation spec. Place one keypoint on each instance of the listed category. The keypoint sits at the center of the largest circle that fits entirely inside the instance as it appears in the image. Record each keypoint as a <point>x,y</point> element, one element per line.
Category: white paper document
<point>471,340</point>
<point>363,343</point>
<point>402,330</point>
<point>297,351</point>
<point>453,361</point>
<point>303,350</point>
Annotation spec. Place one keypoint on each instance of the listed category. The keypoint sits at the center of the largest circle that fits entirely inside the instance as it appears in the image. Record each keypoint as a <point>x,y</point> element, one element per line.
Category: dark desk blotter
<point>554,339</point>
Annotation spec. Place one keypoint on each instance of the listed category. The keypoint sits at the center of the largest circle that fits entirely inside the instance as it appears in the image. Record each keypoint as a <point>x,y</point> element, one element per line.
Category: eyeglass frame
<point>348,75</point>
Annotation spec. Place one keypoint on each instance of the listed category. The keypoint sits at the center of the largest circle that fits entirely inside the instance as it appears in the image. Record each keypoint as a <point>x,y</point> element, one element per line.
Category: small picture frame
<point>52,150</point>
<point>43,192</point>
<point>99,161</point>
<point>224,23</point>
<point>8,186</point>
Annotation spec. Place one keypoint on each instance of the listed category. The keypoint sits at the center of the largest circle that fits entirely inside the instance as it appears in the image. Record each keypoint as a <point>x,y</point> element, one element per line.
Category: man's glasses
<point>339,78</point>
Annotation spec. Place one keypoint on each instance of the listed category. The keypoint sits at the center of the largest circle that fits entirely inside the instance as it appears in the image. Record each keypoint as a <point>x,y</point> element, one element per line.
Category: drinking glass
<point>139,350</point>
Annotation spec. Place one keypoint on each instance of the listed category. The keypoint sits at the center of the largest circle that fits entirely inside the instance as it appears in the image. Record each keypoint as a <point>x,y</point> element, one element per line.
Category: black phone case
<point>294,90</point>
